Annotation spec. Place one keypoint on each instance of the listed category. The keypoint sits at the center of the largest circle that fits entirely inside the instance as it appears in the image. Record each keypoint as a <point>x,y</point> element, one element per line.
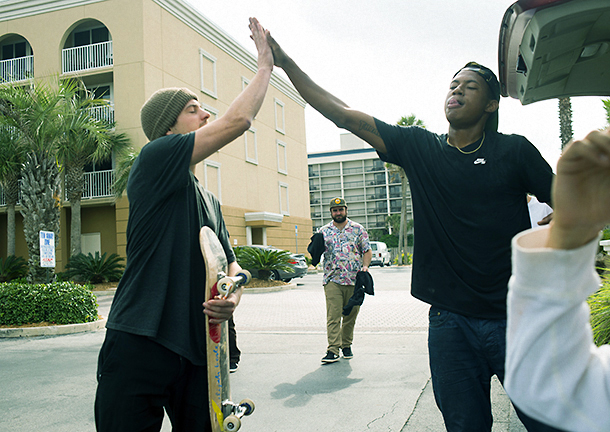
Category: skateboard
<point>225,415</point>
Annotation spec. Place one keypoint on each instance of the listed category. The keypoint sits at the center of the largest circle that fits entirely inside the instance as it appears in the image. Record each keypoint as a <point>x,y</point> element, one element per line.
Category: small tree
<point>95,269</point>
<point>82,139</point>
<point>565,121</point>
<point>13,148</point>
<point>411,120</point>
<point>264,261</point>
<point>41,200</point>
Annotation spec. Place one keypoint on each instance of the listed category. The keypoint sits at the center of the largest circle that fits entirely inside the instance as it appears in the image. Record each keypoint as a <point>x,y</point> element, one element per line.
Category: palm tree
<point>12,157</point>
<point>565,121</point>
<point>55,127</point>
<point>606,103</point>
<point>40,200</point>
<point>83,139</point>
<point>38,127</point>
<point>411,120</point>
<point>124,163</point>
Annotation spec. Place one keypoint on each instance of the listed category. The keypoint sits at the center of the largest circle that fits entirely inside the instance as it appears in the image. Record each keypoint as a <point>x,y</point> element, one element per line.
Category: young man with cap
<point>468,189</point>
<point>346,252</point>
<point>153,359</point>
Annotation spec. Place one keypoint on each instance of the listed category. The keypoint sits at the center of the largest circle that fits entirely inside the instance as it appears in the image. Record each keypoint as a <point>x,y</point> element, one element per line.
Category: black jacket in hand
<point>364,284</point>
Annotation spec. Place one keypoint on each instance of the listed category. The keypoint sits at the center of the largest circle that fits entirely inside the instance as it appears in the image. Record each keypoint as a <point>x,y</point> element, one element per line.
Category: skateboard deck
<point>224,414</point>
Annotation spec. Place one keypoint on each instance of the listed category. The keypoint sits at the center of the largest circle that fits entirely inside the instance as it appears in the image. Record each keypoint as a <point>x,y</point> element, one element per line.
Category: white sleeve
<point>554,371</point>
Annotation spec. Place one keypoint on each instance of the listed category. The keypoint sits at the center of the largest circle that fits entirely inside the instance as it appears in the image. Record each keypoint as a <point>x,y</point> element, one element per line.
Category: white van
<point>381,254</point>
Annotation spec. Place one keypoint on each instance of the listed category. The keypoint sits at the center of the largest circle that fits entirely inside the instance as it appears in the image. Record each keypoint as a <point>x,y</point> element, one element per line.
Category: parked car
<point>554,48</point>
<point>381,254</point>
<point>298,267</point>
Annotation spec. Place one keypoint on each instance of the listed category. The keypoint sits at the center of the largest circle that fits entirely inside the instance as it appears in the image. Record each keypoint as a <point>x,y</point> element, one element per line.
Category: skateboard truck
<point>227,284</point>
<point>234,412</point>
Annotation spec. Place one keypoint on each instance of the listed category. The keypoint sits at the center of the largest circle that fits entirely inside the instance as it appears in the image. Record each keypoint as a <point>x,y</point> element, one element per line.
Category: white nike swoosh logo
<point>480,161</point>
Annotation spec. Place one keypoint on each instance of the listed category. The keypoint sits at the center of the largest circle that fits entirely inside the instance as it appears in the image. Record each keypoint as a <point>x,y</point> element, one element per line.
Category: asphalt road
<point>48,383</point>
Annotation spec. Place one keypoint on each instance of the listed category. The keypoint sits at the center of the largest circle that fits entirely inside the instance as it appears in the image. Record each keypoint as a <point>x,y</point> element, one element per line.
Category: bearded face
<point>339,214</point>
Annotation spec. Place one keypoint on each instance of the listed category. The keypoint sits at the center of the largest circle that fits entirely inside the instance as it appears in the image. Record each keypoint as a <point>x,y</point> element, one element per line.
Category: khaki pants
<point>339,328</point>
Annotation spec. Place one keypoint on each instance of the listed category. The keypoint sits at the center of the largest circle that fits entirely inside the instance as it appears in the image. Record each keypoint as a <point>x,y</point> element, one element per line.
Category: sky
<point>393,58</point>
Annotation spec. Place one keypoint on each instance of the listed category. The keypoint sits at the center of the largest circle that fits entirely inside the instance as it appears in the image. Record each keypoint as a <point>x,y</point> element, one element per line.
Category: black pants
<point>138,379</point>
<point>234,352</point>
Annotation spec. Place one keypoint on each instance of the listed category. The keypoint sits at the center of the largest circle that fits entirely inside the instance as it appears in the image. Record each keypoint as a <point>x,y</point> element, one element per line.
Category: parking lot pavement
<point>48,384</point>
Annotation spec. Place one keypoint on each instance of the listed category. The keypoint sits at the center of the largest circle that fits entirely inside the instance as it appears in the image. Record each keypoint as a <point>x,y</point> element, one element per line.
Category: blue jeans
<point>465,353</point>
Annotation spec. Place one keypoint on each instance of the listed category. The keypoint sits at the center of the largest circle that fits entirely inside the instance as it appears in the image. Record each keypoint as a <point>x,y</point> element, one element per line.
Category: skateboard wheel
<point>248,405</point>
<point>245,274</point>
<point>232,423</point>
<point>224,286</point>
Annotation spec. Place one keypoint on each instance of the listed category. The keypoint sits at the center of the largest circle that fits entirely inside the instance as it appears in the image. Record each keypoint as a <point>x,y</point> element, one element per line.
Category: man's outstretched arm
<point>331,107</point>
<point>240,114</point>
<point>554,371</point>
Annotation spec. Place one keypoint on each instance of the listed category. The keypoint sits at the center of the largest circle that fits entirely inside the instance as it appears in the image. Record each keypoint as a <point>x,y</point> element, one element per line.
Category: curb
<point>55,330</point>
<point>58,330</point>
<point>269,289</point>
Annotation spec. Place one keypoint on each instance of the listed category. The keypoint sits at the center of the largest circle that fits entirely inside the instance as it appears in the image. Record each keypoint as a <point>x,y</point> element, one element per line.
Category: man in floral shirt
<point>346,252</point>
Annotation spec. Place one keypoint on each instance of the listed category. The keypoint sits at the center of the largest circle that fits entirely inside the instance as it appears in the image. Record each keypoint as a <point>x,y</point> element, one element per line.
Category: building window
<point>284,205</point>
<point>280,120</point>
<point>282,158</point>
<point>14,50</point>
<point>91,36</point>
<point>211,175</point>
<point>207,65</point>
<point>250,142</point>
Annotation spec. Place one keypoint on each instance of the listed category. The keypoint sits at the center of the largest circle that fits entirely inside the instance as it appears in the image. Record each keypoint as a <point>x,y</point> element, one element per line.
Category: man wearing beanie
<point>153,359</point>
<point>468,188</point>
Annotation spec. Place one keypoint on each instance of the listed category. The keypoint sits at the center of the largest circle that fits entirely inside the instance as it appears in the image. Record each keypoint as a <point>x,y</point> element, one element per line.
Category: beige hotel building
<point>124,50</point>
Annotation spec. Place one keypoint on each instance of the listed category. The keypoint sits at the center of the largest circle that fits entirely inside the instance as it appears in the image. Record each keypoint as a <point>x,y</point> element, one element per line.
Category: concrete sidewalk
<point>48,383</point>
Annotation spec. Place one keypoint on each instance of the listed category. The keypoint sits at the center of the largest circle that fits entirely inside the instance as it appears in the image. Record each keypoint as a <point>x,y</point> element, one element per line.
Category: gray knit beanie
<point>161,110</point>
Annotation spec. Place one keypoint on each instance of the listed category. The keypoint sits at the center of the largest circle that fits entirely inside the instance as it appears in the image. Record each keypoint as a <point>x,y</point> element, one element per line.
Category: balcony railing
<point>330,172</point>
<point>17,69</point>
<point>357,184</point>
<point>97,184</point>
<point>87,57</point>
<point>354,198</point>
<point>103,113</point>
<point>331,186</point>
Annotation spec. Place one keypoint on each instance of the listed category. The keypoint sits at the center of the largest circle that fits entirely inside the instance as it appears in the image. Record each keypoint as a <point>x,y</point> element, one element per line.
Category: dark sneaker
<point>330,357</point>
<point>347,353</point>
<point>233,366</point>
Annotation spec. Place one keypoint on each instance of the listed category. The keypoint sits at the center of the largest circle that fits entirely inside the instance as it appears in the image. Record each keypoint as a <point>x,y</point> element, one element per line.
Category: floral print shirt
<point>343,252</point>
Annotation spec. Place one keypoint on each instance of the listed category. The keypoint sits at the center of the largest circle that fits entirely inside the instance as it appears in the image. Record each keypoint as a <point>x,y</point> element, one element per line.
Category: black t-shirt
<point>466,209</point>
<point>162,290</point>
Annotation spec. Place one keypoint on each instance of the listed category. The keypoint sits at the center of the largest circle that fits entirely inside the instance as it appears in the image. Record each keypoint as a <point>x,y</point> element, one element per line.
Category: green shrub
<point>403,259</point>
<point>263,260</point>
<point>12,267</point>
<point>599,302</point>
<point>59,302</point>
<point>95,269</point>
